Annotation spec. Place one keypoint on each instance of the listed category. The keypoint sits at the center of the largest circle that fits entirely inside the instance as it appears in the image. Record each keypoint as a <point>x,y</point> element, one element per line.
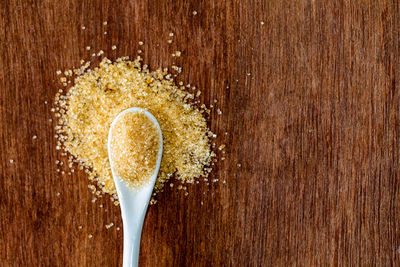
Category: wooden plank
<point>309,92</point>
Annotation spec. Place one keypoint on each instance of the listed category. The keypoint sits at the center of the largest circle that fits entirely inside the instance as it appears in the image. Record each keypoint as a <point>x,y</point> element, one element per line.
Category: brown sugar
<point>85,112</point>
<point>134,146</point>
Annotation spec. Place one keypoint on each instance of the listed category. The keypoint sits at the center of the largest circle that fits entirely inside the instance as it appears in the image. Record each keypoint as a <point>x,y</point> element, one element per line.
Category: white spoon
<point>134,202</point>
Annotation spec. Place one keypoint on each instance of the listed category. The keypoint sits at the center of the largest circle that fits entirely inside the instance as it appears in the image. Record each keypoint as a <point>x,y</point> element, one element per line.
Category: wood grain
<point>312,115</point>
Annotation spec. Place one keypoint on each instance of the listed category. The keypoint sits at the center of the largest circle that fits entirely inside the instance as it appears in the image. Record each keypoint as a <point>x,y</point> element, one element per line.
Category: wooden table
<point>309,92</point>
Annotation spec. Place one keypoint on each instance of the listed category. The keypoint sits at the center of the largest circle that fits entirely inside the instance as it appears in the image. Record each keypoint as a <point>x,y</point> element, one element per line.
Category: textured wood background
<point>312,115</point>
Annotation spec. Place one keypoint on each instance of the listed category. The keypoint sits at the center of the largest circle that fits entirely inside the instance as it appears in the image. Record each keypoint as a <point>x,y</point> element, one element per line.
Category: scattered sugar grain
<point>105,23</point>
<point>113,47</point>
<point>90,236</point>
<point>140,43</point>
<point>88,48</point>
<point>108,226</point>
<point>34,137</point>
<point>194,13</point>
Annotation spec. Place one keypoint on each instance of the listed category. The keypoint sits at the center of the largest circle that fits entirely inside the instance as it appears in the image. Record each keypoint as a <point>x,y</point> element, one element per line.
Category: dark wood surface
<point>312,115</point>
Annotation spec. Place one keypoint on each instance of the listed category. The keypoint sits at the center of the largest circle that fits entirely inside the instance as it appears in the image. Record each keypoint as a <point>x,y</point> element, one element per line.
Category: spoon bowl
<point>133,201</point>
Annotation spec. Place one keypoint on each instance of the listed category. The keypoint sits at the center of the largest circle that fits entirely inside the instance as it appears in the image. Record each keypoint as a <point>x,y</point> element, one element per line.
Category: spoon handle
<point>133,211</point>
<point>131,246</point>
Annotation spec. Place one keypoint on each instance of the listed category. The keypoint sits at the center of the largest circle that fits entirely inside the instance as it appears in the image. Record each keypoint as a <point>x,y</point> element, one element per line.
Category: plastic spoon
<point>133,202</point>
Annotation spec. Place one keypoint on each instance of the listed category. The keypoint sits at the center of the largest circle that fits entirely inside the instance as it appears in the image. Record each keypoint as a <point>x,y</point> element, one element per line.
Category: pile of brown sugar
<point>97,96</point>
<point>133,148</point>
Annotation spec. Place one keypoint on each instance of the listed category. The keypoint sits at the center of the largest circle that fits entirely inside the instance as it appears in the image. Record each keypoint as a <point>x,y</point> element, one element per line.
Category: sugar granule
<point>87,110</point>
<point>108,226</point>
<point>134,147</point>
